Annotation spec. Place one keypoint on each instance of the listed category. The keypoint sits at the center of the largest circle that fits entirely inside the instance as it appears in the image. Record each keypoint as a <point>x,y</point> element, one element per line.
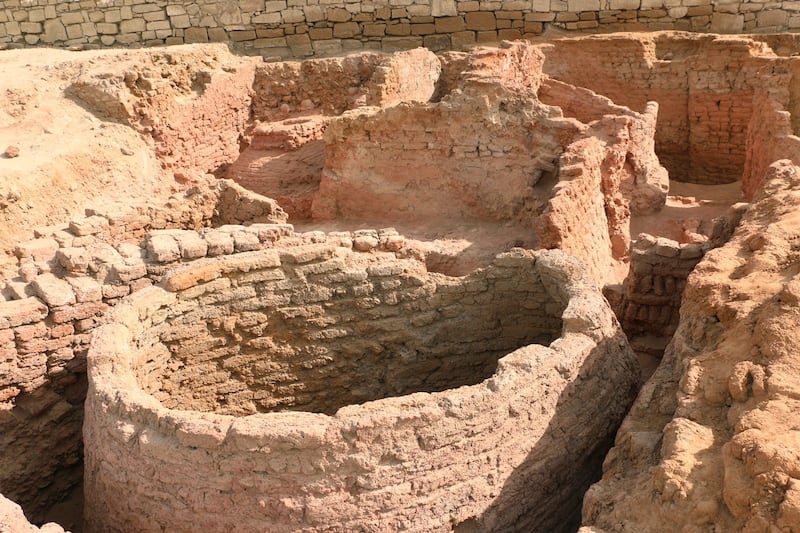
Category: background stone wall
<point>305,28</point>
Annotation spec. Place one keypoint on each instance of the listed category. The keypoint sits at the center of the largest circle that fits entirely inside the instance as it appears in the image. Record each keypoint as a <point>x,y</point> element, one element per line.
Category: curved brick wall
<point>317,328</point>
<point>323,27</point>
<point>417,461</point>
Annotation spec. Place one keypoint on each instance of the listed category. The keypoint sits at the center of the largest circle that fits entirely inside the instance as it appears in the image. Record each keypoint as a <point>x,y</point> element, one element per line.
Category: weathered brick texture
<point>410,368</point>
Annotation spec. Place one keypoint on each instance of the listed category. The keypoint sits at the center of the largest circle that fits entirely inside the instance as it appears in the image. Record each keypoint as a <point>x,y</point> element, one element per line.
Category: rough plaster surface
<point>707,444</point>
<point>366,465</point>
<point>710,439</point>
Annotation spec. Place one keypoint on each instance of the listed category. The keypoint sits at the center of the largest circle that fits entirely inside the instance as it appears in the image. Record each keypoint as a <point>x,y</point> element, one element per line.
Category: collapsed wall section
<point>470,450</point>
<point>604,176</point>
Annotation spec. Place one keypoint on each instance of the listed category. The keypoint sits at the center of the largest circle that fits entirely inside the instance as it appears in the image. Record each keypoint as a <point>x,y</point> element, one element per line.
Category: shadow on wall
<point>57,413</point>
<point>560,480</point>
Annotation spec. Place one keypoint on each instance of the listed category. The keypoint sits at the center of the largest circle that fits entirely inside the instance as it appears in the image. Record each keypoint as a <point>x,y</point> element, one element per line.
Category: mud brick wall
<point>476,165</point>
<point>474,157</point>
<point>332,86</point>
<point>659,269</point>
<point>303,28</point>
<point>195,106</point>
<point>70,276</point>
<point>614,155</point>
<point>773,128</point>
<point>654,289</point>
<point>470,449</point>
<point>704,87</point>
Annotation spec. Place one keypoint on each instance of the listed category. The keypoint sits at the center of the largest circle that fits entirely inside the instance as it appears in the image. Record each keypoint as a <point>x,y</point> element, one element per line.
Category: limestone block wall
<point>704,86</point>
<point>70,276</point>
<point>302,28</point>
<point>419,461</point>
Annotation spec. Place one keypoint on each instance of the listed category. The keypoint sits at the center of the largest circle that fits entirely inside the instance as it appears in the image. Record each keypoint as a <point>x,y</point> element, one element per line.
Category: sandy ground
<point>688,204</point>
<point>69,159</point>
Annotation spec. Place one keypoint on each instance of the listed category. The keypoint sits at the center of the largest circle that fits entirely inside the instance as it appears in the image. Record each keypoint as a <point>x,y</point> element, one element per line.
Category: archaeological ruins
<point>409,265</point>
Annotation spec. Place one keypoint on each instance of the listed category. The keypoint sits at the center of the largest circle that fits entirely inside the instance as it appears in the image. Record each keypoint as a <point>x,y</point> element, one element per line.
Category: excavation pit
<point>522,145</point>
<point>320,388</point>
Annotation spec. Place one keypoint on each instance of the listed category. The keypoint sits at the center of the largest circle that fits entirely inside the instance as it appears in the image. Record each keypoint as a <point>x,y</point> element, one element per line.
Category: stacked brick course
<point>653,291</point>
<point>69,277</point>
<point>303,28</point>
<point>469,450</point>
<point>704,86</point>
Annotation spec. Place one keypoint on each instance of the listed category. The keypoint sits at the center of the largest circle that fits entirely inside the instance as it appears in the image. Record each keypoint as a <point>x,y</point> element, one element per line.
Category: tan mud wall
<point>69,277</point>
<point>614,156</point>
<point>333,86</point>
<point>470,161</point>
<point>310,332</point>
<point>304,28</point>
<point>421,462</point>
<point>193,106</point>
<point>775,122</point>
